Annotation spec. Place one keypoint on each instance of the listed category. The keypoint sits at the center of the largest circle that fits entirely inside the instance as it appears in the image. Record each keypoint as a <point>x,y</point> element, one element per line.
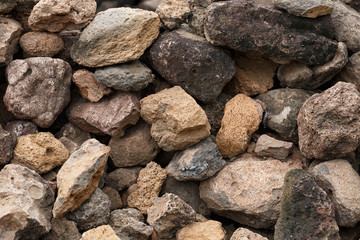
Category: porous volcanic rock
<point>209,230</point>
<point>173,12</point>
<point>41,44</point>
<point>10,34</point>
<point>306,8</point>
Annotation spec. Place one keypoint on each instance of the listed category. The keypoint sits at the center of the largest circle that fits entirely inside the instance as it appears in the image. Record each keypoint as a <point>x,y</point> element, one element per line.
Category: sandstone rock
<point>10,35</point>
<point>306,8</point>
<point>62,229</point>
<point>209,230</point>
<point>202,70</point>
<point>25,205</point>
<point>173,12</point>
<point>41,44</point>
<point>40,152</point>
<point>20,128</point>
<point>351,71</point>
<point>116,35</point>
<point>39,89</point>
<point>72,137</point>
<point>109,116</point>
<point>79,176</point>
<point>243,233</point>
<point>267,146</point>
<point>306,210</point>
<point>7,145</point>
<point>329,123</point>
<point>104,232</point>
<point>54,16</point>
<point>178,122</point>
<point>122,178</point>
<point>242,118</point>
<point>149,185</point>
<point>114,197</point>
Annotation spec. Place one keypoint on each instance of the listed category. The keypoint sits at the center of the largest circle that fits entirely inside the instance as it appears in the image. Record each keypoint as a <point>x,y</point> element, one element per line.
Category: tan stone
<point>9,38</point>
<point>246,234</point>
<point>40,152</point>
<point>104,232</point>
<point>209,230</point>
<point>173,12</point>
<point>41,44</point>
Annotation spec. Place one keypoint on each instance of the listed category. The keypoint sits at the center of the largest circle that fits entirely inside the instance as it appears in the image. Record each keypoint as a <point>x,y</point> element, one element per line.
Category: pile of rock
<point>179,119</point>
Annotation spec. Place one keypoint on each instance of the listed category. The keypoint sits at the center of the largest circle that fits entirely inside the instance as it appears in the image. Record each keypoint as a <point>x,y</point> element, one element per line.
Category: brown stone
<point>209,230</point>
<point>351,71</point>
<point>122,178</point>
<point>9,38</point>
<point>72,137</point>
<point>62,229</point>
<point>114,196</point>
<point>104,232</point>
<point>173,12</point>
<point>7,145</point>
<point>20,128</point>
<point>267,146</point>
<point>41,44</point>
<point>244,233</point>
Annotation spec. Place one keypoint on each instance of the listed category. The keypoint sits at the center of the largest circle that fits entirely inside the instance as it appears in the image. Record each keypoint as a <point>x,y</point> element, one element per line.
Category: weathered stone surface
<point>40,152</point>
<point>69,38</point>
<point>267,146</point>
<point>306,8</point>
<point>178,122</point>
<point>115,36</point>
<point>41,44</point>
<point>351,71</point>
<point>242,117</point>
<point>72,137</point>
<point>202,70</point>
<point>79,176</point>
<point>243,233</point>
<point>306,210</point>
<point>283,106</point>
<point>149,183</point>
<point>104,232</point>
<point>198,14</point>
<point>169,214</point>
<point>109,116</point>
<point>38,90</point>
<point>329,122</point>
<point>247,26</point>
<point>10,35</point>
<point>173,12</point>
<point>55,16</point>
<point>20,128</point>
<point>62,229</point>
<point>209,230</point>
<point>114,197</point>
<point>7,145</point>
<point>132,76</point>
<point>25,205</point>
<point>122,178</point>
<point>295,75</point>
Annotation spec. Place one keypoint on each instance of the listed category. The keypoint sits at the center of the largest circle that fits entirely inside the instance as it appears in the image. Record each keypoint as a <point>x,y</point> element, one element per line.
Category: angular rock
<point>72,137</point>
<point>243,233</point>
<point>38,90</point>
<point>10,34</point>
<point>306,210</point>
<point>79,176</point>
<point>114,197</point>
<point>109,116</point>
<point>7,145</point>
<point>115,36</point>
<point>41,44</point>
<point>122,178</point>
<point>209,230</point>
<point>62,229</point>
<point>198,14</point>
<point>267,146</point>
<point>20,128</point>
<point>104,232</point>
<point>178,122</point>
<point>351,71</point>
<point>173,12</point>
<point>202,70</point>
<point>306,8</point>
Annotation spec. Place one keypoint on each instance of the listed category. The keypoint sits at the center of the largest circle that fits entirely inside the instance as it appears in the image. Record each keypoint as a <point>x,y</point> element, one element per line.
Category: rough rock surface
<point>72,137</point>
<point>351,71</point>
<point>267,146</point>
<point>122,178</point>
<point>209,230</point>
<point>41,44</point>
<point>116,35</point>
<point>20,128</point>
<point>69,38</point>
<point>39,89</point>
<point>244,234</point>
<point>104,232</point>
<point>9,38</point>
<point>198,15</point>
<point>114,197</point>
<point>62,229</point>
<point>7,145</point>
<point>173,12</point>
<point>306,8</point>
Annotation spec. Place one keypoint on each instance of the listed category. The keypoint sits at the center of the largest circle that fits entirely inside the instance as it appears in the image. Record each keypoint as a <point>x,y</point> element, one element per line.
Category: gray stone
<point>62,229</point>
<point>7,145</point>
<point>267,146</point>
<point>122,178</point>
<point>72,137</point>
<point>351,71</point>
<point>20,128</point>
<point>9,38</point>
<point>306,8</point>
<point>114,197</point>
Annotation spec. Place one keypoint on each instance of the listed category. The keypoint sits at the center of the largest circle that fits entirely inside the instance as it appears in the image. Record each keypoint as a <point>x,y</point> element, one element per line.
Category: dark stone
<point>7,145</point>
<point>20,128</point>
<point>122,178</point>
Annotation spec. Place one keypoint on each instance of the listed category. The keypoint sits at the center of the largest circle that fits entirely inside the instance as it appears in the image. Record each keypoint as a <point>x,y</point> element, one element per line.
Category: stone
<point>244,233</point>
<point>117,35</point>
<point>342,182</point>
<point>247,190</point>
<point>41,44</point>
<point>306,210</point>
<point>129,224</point>
<point>38,90</point>
<point>69,38</point>
<point>7,145</point>
<point>209,230</point>
<point>242,117</point>
<point>135,148</point>
<point>72,137</point>
<point>114,197</point>
<point>283,106</point>
<point>40,152</point>
<point>251,27</point>
<point>7,6</point>
<point>351,72</point>
<point>329,123</point>
<point>350,233</point>
<point>62,229</point>
<point>20,128</point>
<point>305,8</point>
<point>267,146</point>
<point>109,116</point>
<point>122,178</point>
<point>196,163</point>
<point>149,183</point>
<point>25,205</point>
<point>55,16</point>
<point>11,31</point>
<point>173,12</point>
<point>88,85</point>
<point>177,121</point>
<point>198,14</point>
<point>126,194</point>
<point>79,176</point>
<point>202,70</point>
<point>104,232</point>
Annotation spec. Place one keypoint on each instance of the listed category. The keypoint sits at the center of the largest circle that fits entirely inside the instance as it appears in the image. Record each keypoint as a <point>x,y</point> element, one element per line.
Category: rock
<point>38,90</point>
<point>133,76</point>
<point>7,145</point>
<point>137,147</point>
<point>242,117</point>
<point>247,191</point>
<point>283,106</point>
<point>149,183</point>
<point>209,230</point>
<point>202,70</point>
<point>40,152</point>
<point>306,210</point>
<point>350,233</point>
<point>198,14</point>
<point>25,205</point>
<point>79,176</point>
<point>126,194</point>
<point>329,123</point>
<point>342,181</point>
<point>7,6</point>
<point>109,116</point>
<point>10,34</point>
<point>41,44</point>
<point>114,197</point>
<point>305,8</point>
<point>128,224</point>
<point>55,16</point>
<point>104,232</point>
<point>267,146</point>
<point>72,137</point>
<point>122,178</point>
<point>169,214</point>
<point>196,163</point>
<point>173,12</point>
<point>178,122</point>
<point>88,85</point>
<point>69,38</point>
<point>255,27</point>
<point>351,71</point>
<point>243,233</point>
<point>115,36</point>
<point>20,128</point>
<point>62,229</point>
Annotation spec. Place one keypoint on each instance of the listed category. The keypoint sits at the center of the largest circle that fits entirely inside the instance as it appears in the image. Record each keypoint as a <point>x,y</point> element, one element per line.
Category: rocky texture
<point>329,123</point>
<point>25,205</point>
<point>109,116</point>
<point>20,128</point>
<point>306,8</point>
<point>202,70</point>
<point>177,121</point>
<point>62,229</point>
<point>55,16</point>
<point>6,6</point>
<point>72,137</point>
<point>351,71</point>
<point>41,44</point>
<point>267,146</point>
<point>7,145</point>
<point>114,197</point>
<point>242,117</point>
<point>306,210</point>
<point>104,232</point>
<point>173,12</point>
<point>69,38</point>
<point>10,35</point>
<point>198,14</point>
<point>39,89</point>
<point>122,178</point>
<point>209,230</point>
<point>243,233</point>
<point>116,35</point>
<point>79,176</point>
<point>255,27</point>
<point>40,152</point>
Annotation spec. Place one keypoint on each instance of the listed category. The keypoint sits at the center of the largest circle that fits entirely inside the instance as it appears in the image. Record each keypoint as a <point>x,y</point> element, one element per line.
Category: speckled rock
<point>244,234</point>
<point>267,146</point>
<point>198,15</point>
<point>10,34</point>
<point>114,197</point>
<point>72,137</point>
<point>41,44</point>
<point>62,229</point>
<point>20,128</point>
<point>122,178</point>
<point>306,8</point>
<point>7,145</point>
<point>209,230</point>
<point>351,71</point>
<point>173,12</point>
<point>104,232</point>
